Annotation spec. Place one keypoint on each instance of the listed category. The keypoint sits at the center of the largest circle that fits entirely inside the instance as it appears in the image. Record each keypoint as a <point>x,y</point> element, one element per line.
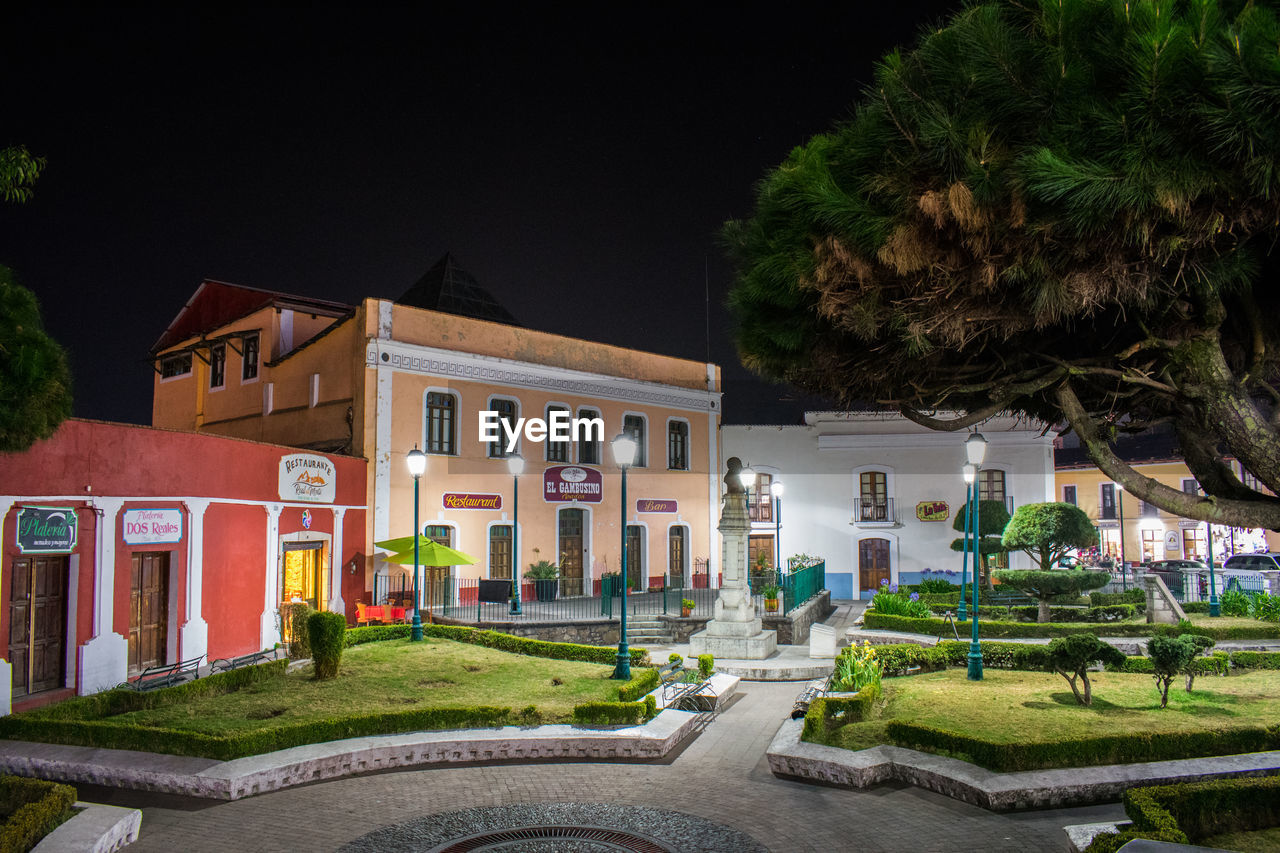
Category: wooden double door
<point>38,622</point>
<point>149,610</point>
<point>873,563</point>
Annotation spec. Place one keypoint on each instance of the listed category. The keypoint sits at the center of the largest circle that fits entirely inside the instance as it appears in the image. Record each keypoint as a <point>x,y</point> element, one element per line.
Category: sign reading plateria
<point>46,530</point>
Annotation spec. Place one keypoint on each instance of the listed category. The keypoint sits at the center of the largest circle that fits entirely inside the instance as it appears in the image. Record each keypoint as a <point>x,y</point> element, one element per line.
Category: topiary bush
<point>1071,658</point>
<point>706,666</point>
<point>32,809</point>
<point>1047,585</point>
<point>326,633</point>
<point>294,618</point>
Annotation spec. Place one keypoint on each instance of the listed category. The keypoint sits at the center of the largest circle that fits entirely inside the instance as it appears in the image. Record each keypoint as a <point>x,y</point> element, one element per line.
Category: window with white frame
<point>442,423</point>
<point>172,366</point>
<point>588,441</point>
<point>507,412</point>
<point>217,365</point>
<point>677,446</point>
<point>873,497</point>
<point>557,451</point>
<point>633,425</point>
<point>249,361</point>
<point>1069,495</point>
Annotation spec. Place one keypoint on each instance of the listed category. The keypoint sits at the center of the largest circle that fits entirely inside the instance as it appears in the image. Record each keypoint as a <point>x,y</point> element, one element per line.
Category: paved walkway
<point>721,776</point>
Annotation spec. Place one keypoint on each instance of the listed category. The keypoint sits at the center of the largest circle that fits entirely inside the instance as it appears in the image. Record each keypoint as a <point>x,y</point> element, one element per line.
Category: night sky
<point>578,160</point>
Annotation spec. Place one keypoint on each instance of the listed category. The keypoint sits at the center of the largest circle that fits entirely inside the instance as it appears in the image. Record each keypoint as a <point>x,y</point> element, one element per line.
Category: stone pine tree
<point>1049,531</point>
<point>1062,210</point>
<point>35,382</point>
<point>992,518</point>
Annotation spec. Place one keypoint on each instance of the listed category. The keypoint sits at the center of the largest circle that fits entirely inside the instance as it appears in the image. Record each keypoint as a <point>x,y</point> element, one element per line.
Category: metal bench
<point>226,664</point>
<point>815,690</point>
<point>156,677</point>
<point>675,690</point>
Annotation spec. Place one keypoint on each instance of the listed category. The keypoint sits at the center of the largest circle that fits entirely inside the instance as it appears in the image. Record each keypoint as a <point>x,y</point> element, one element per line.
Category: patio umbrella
<point>430,553</point>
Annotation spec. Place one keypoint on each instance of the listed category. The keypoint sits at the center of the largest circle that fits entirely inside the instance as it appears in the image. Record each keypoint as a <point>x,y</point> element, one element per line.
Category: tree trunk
<point>1088,688</point>
<point>1043,614</point>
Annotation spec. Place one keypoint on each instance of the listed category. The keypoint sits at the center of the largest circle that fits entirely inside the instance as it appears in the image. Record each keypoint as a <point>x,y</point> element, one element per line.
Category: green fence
<point>801,585</point>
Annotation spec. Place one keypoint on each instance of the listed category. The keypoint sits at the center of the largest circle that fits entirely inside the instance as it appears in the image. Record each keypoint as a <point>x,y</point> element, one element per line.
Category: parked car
<point>1170,571</point>
<point>1268,562</point>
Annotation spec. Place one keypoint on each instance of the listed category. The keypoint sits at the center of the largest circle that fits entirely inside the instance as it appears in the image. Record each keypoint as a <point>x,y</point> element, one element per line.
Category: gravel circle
<point>669,830</point>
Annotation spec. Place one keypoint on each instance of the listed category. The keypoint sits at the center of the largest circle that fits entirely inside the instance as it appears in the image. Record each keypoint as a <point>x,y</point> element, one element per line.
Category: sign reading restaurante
<point>46,530</point>
<point>307,477</point>
<point>571,483</point>
<point>457,500</point>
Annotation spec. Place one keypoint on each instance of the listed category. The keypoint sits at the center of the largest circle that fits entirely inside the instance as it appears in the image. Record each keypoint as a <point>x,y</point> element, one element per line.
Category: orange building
<point>379,378</point>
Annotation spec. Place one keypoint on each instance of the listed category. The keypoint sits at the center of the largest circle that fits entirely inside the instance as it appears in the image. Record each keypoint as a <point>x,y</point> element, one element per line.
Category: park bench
<point>226,664</point>
<point>815,690</point>
<point>156,677</point>
<point>674,688</point>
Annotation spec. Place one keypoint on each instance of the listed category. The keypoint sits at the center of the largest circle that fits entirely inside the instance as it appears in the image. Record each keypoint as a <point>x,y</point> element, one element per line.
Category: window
<point>1151,540</point>
<point>588,441</point>
<point>1110,542</point>
<point>442,410</point>
<point>760,499</point>
<point>249,364</point>
<point>991,485</point>
<point>1108,507</point>
<point>175,365</point>
<point>217,365</point>
<point>1190,487</point>
<point>506,410</point>
<point>500,555</point>
<point>1069,495</point>
<point>1193,542</point>
<point>873,496</point>
<point>1149,510</point>
<point>758,546</point>
<point>634,425</point>
<point>677,446</point>
<point>557,451</point>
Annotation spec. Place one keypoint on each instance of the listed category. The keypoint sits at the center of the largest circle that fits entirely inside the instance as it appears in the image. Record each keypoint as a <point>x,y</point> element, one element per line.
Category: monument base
<point>753,647</point>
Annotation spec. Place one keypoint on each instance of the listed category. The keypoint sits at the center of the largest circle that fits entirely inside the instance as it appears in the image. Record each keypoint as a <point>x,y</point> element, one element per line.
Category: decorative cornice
<point>449,364</point>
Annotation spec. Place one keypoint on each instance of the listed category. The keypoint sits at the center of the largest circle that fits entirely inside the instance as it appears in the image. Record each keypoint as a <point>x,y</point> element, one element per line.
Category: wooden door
<point>571,546</point>
<point>38,623</point>
<point>149,610</point>
<point>676,550</point>
<point>873,563</point>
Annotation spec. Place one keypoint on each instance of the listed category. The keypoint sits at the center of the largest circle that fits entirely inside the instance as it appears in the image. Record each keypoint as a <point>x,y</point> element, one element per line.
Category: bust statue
<point>732,480</point>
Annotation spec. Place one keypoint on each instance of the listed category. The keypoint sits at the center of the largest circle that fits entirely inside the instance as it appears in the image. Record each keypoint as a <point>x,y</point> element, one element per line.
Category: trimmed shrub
<point>1255,660</point>
<point>995,629</point>
<point>502,642</point>
<point>899,604</point>
<point>325,631</point>
<point>898,658</point>
<point>1136,596</point>
<point>1233,602</point>
<point>294,617</point>
<point>641,683</point>
<point>936,585</point>
<point>1127,748</point>
<point>1072,656</point>
<point>34,808</point>
<point>1045,585</point>
<point>829,713</point>
<point>1102,614</point>
<point>1191,812</point>
<point>1171,656</point>
<point>615,713</point>
<point>706,665</point>
<point>1195,607</point>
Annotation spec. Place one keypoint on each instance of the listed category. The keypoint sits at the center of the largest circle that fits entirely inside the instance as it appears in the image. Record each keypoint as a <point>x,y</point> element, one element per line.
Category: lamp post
<point>1124,579</point>
<point>1215,607</point>
<point>748,479</point>
<point>624,454</point>
<point>417,462</point>
<point>515,464</point>
<point>975,449</point>
<point>777,489</point>
<point>970,473</point>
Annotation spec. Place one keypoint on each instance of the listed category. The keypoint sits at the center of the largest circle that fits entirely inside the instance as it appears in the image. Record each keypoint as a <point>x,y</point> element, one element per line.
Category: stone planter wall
<point>793,629</point>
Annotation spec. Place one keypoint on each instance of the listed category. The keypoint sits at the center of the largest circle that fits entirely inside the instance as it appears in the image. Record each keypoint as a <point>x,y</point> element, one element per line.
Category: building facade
<point>381,378</point>
<point>128,547</point>
<point>875,495</point>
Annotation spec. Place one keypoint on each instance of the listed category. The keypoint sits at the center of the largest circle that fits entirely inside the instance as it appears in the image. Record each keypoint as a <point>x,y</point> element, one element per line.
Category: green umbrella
<point>430,553</point>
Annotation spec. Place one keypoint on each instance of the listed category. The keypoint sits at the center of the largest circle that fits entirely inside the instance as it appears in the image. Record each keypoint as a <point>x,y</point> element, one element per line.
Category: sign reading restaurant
<point>571,483</point>
<point>459,500</point>
<point>307,477</point>
<point>152,526</point>
<point>46,530</point>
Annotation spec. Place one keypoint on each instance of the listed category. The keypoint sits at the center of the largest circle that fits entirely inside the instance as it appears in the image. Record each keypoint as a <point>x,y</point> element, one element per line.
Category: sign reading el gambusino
<point>46,530</point>
<point>307,477</point>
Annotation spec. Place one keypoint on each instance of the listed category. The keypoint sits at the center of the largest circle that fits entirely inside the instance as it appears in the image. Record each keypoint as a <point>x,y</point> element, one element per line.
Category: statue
<point>733,480</point>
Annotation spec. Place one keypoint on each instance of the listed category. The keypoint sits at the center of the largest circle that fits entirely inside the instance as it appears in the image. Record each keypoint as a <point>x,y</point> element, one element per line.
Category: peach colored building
<point>379,378</point>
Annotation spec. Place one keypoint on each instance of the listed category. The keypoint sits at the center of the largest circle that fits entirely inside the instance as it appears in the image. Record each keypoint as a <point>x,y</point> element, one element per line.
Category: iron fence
<point>801,585</point>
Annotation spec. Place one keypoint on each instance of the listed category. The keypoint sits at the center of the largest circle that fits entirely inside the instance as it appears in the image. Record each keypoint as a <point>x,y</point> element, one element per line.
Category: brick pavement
<point>721,776</point>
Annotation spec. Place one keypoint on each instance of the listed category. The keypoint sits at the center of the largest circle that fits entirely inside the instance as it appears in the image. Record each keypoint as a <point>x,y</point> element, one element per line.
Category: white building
<point>875,494</point>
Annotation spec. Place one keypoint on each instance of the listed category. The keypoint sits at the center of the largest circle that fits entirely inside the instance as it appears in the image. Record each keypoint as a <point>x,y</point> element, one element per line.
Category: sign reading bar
<point>307,477</point>
<point>571,483</point>
<point>651,505</point>
<point>457,500</point>
<point>152,526</point>
<point>46,530</point>
<point>933,511</point>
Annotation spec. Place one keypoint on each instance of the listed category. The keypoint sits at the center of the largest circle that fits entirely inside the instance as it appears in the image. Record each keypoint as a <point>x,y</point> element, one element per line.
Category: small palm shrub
<point>1234,603</point>
<point>1265,607</point>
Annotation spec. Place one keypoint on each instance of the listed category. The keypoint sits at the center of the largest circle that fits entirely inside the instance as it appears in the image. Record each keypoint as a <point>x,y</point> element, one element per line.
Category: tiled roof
<point>449,288</point>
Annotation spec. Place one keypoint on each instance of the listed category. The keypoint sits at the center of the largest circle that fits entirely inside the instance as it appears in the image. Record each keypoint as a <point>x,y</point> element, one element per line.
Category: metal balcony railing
<point>872,510</point>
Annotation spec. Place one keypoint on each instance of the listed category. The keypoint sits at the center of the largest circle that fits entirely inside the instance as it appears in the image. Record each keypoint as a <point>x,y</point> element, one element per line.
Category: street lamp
<point>970,473</point>
<point>975,449</point>
<point>624,454</point>
<point>1215,607</point>
<point>515,464</point>
<point>1124,578</point>
<point>417,462</point>
<point>747,477</point>
<point>777,489</point>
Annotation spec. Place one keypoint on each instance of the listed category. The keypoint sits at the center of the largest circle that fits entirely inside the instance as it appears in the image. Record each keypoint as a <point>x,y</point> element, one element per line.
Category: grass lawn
<point>396,675</point>
<point>1227,621</point>
<point>1259,841</point>
<point>1010,706</point>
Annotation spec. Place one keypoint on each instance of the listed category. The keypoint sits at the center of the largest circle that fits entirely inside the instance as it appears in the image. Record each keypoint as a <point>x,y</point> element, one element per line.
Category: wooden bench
<point>226,664</point>
<point>156,677</point>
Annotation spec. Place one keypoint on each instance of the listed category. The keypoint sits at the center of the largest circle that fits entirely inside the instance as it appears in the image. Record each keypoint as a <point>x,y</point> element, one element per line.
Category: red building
<point>126,547</point>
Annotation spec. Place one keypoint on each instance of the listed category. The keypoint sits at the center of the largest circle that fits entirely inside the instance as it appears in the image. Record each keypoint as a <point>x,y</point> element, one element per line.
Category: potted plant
<point>770,594</point>
<point>545,576</point>
<point>686,607</point>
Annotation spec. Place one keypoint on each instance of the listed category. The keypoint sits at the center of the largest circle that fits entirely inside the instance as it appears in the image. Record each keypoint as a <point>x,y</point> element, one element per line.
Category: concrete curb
<point>274,771</point>
<point>1031,789</point>
<point>95,829</point>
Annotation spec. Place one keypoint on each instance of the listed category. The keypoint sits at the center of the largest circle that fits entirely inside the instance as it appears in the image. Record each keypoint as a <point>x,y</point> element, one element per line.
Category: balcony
<point>870,511</point>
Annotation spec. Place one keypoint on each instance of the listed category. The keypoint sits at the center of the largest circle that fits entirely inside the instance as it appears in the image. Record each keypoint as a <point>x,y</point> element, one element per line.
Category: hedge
<point>34,808</point>
<point>615,713</point>
<point>827,714</point>
<point>1191,812</point>
<point>1214,664</point>
<point>993,628</point>
<point>641,683</point>
<point>499,641</point>
<point>1128,748</point>
<point>1256,660</point>
<point>1135,596</point>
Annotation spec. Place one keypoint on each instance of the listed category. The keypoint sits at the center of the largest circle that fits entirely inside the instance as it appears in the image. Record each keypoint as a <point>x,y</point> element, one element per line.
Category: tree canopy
<point>992,518</point>
<point>1059,210</point>
<point>1044,586</point>
<point>1047,531</point>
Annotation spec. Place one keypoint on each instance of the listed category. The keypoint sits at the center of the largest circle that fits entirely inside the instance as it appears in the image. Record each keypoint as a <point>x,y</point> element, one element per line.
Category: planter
<point>686,612</point>
<point>771,605</point>
<point>545,590</point>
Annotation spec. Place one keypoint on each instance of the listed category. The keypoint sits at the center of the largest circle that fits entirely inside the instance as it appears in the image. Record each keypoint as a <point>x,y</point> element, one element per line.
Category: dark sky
<point>579,160</point>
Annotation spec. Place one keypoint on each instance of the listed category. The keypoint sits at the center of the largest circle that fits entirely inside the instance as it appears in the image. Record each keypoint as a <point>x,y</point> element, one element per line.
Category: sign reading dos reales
<point>307,477</point>
<point>46,530</point>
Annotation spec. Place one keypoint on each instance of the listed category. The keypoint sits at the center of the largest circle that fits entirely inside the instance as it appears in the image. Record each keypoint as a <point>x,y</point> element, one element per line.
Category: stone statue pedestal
<point>735,631</point>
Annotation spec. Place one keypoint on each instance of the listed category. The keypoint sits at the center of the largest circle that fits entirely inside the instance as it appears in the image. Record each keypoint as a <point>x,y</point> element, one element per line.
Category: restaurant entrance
<point>304,576</point>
